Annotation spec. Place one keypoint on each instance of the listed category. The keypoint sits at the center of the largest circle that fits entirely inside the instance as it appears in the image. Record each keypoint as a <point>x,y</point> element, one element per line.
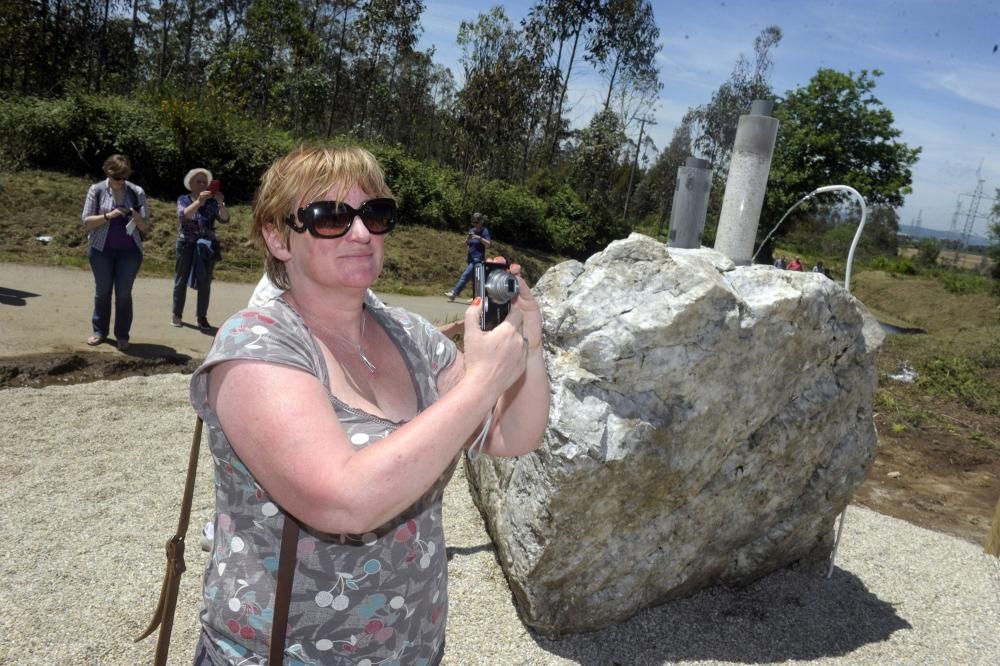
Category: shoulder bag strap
<point>163,616</point>
<point>283,592</point>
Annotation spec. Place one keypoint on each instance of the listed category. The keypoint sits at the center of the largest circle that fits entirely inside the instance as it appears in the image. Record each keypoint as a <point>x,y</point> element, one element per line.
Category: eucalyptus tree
<point>425,96</point>
<point>597,157</point>
<point>269,69</point>
<point>562,23</point>
<point>993,233</point>
<point>25,35</point>
<point>498,107</point>
<point>654,196</point>
<point>387,31</point>
<point>716,122</point>
<point>232,15</point>
<point>51,47</point>
<point>624,45</point>
<point>438,126</point>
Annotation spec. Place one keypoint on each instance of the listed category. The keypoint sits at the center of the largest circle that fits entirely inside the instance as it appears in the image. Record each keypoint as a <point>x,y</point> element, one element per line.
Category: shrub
<point>956,282</point>
<point>928,250</point>
<point>895,266</point>
<point>428,195</point>
<point>164,138</point>
<point>515,214</point>
<point>960,378</point>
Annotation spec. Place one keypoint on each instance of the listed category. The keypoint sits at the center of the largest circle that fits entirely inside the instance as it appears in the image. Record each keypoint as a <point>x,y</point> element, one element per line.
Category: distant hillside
<point>924,232</point>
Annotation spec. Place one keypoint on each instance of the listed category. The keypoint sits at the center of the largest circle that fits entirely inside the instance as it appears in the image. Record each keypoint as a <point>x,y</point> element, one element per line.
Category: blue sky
<point>941,77</point>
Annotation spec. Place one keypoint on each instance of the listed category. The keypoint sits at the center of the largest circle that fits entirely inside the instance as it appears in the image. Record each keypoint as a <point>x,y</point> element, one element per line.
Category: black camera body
<point>497,287</point>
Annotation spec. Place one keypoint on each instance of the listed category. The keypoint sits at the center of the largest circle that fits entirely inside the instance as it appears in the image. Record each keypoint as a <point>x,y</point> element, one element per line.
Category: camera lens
<point>501,286</point>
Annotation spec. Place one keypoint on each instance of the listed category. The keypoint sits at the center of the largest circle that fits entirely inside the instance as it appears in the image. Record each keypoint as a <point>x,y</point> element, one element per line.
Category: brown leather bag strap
<point>283,591</point>
<point>163,616</point>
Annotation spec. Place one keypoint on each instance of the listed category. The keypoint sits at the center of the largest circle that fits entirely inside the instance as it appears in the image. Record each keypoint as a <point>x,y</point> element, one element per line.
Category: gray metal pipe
<point>687,214</point>
<point>746,183</point>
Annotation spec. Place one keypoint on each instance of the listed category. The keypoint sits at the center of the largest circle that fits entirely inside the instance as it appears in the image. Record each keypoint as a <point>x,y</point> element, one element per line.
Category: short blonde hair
<point>305,175</point>
<point>117,166</point>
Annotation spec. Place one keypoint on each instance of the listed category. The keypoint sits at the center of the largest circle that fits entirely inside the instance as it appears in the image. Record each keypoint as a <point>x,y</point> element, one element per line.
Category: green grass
<point>958,360</point>
<point>418,261</point>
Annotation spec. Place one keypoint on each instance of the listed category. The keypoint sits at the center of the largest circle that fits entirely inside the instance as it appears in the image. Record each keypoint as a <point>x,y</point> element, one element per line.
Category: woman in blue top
<point>198,210</point>
<point>113,212</point>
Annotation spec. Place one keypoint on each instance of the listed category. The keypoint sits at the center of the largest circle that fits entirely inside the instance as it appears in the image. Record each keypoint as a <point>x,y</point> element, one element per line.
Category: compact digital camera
<point>497,287</point>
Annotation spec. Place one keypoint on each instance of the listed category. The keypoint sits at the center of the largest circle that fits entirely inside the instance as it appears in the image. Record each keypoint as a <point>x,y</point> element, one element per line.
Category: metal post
<point>687,214</point>
<point>746,183</point>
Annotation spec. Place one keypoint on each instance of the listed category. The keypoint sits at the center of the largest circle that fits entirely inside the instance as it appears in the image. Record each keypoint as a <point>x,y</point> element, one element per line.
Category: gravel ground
<point>92,477</point>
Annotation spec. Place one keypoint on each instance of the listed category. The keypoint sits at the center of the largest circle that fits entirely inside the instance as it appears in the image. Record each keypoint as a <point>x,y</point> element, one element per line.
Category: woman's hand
<point>494,359</point>
<point>523,405</point>
<point>204,196</point>
<point>526,303</point>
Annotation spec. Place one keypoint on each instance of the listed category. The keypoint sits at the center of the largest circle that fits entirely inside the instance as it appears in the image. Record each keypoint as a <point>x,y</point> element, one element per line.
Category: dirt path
<point>47,310</point>
<point>937,479</point>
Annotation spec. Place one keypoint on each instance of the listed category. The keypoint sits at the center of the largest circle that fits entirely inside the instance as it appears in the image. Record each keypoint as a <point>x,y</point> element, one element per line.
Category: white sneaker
<point>449,295</point>
<point>207,536</point>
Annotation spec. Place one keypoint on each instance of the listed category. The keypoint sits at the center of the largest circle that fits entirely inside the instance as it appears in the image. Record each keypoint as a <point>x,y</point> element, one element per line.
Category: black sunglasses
<point>333,219</point>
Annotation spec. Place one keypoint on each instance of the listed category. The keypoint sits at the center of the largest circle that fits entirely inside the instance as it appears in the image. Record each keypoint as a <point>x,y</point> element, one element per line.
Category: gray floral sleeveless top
<point>364,599</point>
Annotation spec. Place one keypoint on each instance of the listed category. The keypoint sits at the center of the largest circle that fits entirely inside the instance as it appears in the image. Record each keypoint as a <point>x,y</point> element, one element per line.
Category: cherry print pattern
<point>373,598</point>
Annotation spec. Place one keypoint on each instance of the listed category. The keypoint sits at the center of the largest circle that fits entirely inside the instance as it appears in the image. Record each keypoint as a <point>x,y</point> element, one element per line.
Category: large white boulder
<point>708,424</point>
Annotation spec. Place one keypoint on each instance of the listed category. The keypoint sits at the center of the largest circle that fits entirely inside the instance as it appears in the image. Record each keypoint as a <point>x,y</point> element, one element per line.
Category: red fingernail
<point>477,301</point>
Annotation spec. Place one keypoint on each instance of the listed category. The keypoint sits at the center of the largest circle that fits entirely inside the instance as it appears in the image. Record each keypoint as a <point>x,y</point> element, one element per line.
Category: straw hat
<point>191,174</point>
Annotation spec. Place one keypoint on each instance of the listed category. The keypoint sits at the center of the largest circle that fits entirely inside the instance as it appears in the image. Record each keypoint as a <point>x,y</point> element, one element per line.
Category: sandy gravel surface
<point>92,477</point>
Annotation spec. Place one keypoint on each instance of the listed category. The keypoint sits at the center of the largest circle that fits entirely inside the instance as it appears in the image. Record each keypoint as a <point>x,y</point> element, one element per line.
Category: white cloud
<point>980,85</point>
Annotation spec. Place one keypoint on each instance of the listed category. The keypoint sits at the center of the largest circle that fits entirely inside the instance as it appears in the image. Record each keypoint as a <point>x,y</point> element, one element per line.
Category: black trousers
<point>186,252</point>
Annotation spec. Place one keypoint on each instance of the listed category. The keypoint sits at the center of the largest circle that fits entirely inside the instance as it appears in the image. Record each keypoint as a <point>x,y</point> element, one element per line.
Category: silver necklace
<point>358,346</point>
<point>361,350</point>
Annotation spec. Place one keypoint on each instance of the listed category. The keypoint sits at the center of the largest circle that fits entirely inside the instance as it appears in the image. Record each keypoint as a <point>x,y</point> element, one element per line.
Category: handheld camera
<point>497,287</point>
<point>214,186</point>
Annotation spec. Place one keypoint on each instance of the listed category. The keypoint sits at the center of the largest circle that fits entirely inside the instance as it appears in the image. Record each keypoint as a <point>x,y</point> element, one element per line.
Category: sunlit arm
<point>280,422</point>
<point>522,412</point>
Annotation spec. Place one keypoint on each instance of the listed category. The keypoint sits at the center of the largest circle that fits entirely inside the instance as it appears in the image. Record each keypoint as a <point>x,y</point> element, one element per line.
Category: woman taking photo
<point>196,243</point>
<point>114,213</point>
<point>327,406</point>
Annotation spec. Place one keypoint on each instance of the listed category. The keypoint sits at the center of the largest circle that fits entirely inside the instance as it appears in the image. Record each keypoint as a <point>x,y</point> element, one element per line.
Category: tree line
<point>291,70</point>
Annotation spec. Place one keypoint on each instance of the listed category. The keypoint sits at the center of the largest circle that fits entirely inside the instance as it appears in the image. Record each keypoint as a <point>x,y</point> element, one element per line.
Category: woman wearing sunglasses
<point>329,407</point>
<point>113,214</point>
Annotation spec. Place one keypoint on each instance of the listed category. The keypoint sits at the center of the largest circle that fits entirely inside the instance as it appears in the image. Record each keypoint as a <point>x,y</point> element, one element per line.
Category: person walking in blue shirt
<point>477,240</point>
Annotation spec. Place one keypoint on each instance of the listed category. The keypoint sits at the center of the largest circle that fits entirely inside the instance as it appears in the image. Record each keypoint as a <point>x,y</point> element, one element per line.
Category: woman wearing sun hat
<point>197,247</point>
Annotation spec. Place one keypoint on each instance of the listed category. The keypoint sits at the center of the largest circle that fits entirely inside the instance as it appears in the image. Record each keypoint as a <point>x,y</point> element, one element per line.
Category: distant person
<point>781,263</point>
<point>197,247</point>
<point>795,264</point>
<point>820,268</point>
<point>114,214</point>
<point>476,241</point>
